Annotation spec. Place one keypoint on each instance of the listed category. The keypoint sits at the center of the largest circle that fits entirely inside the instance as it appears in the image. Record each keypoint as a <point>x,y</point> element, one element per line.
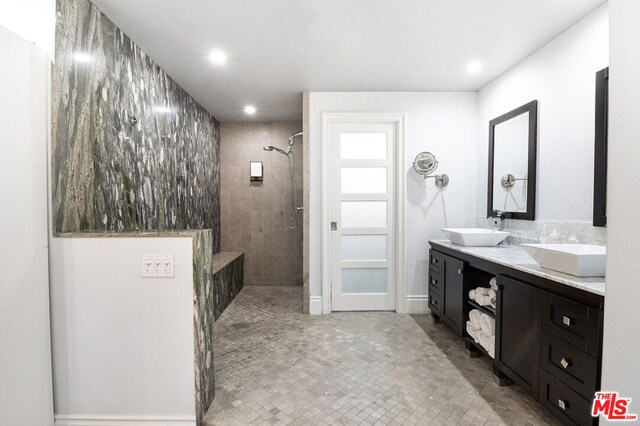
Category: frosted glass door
<point>362,208</point>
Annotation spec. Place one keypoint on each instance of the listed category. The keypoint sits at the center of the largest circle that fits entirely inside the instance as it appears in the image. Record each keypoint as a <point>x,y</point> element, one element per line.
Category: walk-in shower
<point>291,215</point>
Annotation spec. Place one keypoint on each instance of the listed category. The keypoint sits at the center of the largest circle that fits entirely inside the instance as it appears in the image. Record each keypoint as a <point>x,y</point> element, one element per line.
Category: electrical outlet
<point>157,266</point>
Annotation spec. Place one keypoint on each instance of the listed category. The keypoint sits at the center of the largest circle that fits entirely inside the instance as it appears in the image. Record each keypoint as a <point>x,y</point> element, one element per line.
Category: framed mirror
<point>512,163</point>
<point>600,165</point>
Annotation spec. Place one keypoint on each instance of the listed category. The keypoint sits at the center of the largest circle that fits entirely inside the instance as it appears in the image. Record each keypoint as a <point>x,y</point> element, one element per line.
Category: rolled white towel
<point>493,283</point>
<point>488,325</point>
<point>491,346</point>
<point>475,317</point>
<point>493,298</point>
<point>483,291</point>
<point>472,294</point>
<point>488,343</point>
<point>473,332</point>
<point>483,300</point>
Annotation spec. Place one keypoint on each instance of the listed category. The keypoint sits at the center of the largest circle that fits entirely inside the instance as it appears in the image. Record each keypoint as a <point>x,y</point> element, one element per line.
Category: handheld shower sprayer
<point>273,148</point>
<point>292,210</point>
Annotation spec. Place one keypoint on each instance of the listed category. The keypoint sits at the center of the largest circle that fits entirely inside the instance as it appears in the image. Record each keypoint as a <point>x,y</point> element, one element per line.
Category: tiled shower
<point>258,217</point>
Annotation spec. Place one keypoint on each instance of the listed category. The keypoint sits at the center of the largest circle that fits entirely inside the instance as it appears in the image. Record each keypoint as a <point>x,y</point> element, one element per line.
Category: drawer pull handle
<point>460,271</point>
<point>434,282</point>
<point>435,303</point>
<point>565,363</point>
<point>562,404</point>
<point>434,261</point>
<point>566,321</point>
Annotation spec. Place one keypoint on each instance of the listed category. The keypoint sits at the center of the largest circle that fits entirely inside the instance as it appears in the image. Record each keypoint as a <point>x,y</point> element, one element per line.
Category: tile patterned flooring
<point>275,365</point>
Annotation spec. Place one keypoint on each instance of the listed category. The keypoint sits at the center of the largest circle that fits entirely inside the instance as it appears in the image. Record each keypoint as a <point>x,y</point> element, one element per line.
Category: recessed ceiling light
<point>250,109</point>
<point>218,57</point>
<point>474,67</point>
<point>82,57</point>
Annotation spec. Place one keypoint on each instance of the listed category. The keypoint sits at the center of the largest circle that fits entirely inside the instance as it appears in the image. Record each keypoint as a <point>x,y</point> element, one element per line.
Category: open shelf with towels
<point>486,309</point>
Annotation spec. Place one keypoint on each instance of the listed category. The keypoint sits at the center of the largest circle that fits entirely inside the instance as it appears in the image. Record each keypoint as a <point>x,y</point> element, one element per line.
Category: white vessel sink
<point>581,260</point>
<point>475,237</point>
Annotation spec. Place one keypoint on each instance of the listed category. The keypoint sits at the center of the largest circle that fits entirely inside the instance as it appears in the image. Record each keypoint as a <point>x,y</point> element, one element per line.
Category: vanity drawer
<point>435,282</point>
<point>435,302</point>
<point>567,405</point>
<point>571,365</point>
<point>574,322</point>
<point>436,261</point>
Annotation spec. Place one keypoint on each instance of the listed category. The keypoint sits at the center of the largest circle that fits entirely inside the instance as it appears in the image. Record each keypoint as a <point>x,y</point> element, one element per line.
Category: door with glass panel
<point>362,216</point>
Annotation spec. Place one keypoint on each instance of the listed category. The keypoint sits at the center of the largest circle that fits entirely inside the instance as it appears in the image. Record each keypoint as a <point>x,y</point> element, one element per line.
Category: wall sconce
<point>255,171</point>
<point>509,180</point>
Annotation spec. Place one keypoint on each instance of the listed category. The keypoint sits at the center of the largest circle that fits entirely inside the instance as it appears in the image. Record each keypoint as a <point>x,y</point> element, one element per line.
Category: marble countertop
<point>189,233</point>
<point>515,257</point>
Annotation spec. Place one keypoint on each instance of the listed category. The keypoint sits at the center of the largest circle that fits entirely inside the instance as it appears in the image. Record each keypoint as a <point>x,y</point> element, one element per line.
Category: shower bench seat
<point>228,279</point>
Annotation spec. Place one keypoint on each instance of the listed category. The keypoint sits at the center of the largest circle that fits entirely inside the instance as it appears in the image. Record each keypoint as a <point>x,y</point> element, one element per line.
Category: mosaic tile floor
<point>275,365</point>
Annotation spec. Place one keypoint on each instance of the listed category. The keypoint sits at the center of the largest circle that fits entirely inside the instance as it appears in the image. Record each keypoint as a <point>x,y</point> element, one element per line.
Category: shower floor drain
<point>240,325</point>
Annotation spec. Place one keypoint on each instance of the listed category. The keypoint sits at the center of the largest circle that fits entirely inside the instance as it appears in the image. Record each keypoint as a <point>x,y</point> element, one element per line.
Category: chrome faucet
<point>499,221</point>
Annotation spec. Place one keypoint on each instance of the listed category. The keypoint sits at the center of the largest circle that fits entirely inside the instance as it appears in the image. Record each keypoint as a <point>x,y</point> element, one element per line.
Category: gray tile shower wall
<point>131,150</point>
<point>257,218</point>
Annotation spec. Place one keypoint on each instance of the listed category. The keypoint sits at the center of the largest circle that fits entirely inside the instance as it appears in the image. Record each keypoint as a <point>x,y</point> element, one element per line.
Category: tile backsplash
<point>525,231</point>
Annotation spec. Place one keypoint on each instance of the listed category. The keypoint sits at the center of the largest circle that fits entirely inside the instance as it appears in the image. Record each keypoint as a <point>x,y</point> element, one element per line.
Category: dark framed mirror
<point>600,157</point>
<point>513,145</point>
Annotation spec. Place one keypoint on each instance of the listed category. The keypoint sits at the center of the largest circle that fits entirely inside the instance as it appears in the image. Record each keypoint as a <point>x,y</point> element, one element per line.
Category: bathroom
<point>283,213</point>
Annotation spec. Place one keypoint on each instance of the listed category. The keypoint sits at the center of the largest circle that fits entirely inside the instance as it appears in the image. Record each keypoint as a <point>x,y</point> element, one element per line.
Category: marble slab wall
<point>203,319</point>
<point>131,150</point>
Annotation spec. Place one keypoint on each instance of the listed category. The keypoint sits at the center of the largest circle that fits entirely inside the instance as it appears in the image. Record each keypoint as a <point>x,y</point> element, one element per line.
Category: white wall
<point>122,344</point>
<point>25,354</point>
<point>443,123</point>
<point>561,76</point>
<point>33,20</point>
<point>621,315</point>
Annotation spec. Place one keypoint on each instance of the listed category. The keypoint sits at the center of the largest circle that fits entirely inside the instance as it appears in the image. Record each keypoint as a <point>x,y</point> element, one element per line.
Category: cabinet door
<point>518,333</point>
<point>453,311</point>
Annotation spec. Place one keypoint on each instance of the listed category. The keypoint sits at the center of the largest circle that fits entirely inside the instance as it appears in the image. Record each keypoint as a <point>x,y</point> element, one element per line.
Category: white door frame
<point>399,121</point>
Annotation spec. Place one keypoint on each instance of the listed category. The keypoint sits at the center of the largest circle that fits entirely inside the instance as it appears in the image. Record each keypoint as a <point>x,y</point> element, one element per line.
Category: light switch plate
<point>158,266</point>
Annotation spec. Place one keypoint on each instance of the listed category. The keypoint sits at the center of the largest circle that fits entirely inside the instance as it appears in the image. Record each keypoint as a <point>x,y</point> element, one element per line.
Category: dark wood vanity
<point>548,334</point>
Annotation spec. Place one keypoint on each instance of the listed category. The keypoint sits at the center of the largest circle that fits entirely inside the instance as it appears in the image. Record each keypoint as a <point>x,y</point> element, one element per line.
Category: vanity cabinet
<point>453,313</point>
<point>518,332</point>
<point>446,288</point>
<point>548,335</point>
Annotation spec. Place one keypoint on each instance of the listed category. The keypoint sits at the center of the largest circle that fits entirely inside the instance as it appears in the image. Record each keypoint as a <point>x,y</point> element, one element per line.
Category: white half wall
<point>443,123</point>
<point>122,345</point>
<point>561,76</point>
<point>621,317</point>
<point>25,346</point>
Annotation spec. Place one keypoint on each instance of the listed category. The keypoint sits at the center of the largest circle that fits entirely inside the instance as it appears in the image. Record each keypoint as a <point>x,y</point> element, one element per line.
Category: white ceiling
<point>279,48</point>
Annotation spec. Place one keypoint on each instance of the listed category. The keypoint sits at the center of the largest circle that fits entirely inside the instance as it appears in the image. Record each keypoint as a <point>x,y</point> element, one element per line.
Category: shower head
<point>292,138</point>
<point>273,148</point>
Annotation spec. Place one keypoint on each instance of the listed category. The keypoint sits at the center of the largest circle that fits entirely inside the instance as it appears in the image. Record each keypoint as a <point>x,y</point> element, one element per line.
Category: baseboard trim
<point>315,305</point>
<point>102,420</point>
<point>418,304</point>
